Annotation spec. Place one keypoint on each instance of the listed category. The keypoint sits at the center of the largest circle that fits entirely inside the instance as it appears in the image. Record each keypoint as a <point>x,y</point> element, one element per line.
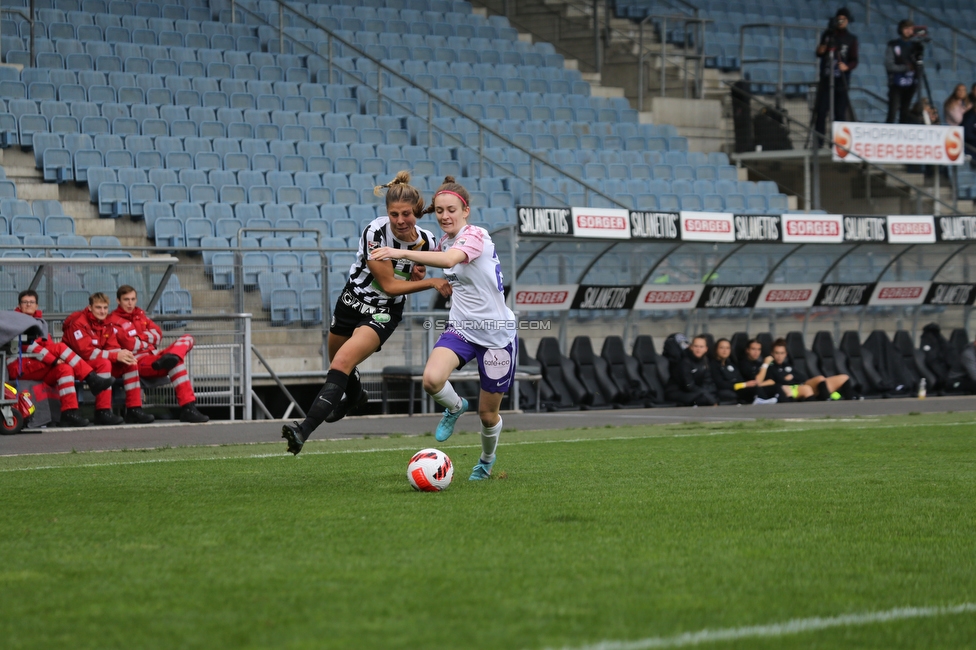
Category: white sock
<point>448,398</point>
<point>489,441</point>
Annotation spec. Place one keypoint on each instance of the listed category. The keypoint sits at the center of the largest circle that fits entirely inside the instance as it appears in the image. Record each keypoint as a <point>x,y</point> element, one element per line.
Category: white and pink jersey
<point>478,309</point>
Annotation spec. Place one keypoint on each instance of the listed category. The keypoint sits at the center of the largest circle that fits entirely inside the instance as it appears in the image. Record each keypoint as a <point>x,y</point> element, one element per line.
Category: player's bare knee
<point>433,384</point>
<point>488,417</point>
<point>342,362</point>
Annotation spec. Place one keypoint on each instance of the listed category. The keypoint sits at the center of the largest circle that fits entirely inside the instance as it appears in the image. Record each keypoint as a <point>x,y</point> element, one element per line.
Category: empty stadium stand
<point>238,110</point>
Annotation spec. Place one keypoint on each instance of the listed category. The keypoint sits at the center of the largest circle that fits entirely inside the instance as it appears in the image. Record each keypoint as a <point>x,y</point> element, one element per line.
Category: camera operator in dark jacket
<point>900,64</point>
<point>691,378</point>
<point>838,52</point>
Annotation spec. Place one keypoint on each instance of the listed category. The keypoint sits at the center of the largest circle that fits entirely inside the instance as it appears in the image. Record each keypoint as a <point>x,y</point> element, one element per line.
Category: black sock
<point>354,386</point>
<point>822,392</point>
<point>846,390</point>
<point>325,401</point>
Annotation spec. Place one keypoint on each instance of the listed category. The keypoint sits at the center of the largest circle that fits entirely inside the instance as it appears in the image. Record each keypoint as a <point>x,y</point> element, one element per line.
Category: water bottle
<point>921,389</point>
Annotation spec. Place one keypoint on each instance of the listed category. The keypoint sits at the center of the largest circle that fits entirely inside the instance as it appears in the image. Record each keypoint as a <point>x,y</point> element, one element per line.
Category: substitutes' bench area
<point>413,376</point>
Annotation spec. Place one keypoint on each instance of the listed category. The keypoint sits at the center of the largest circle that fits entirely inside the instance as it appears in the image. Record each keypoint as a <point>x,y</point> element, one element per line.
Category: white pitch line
<point>795,626</point>
<point>284,455</point>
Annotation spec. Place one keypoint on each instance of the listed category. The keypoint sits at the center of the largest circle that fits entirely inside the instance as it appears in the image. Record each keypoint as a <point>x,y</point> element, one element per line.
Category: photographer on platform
<point>900,58</point>
<point>838,52</point>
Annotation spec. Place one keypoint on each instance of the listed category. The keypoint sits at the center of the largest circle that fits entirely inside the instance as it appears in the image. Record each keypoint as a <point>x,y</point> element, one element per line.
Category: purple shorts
<point>495,365</point>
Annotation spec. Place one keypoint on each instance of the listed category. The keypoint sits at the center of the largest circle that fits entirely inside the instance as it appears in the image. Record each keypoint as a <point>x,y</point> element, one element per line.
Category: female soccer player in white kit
<point>481,324</point>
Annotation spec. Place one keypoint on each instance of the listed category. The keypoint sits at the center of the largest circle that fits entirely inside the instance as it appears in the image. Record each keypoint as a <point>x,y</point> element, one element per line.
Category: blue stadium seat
<point>24,225</point>
<point>169,233</point>
<point>223,270</point>
<point>756,203</point>
<point>735,202</point>
<point>57,225</point>
<point>311,306</point>
<point>778,203</point>
<point>100,243</point>
<point>196,230</point>
<point>67,242</point>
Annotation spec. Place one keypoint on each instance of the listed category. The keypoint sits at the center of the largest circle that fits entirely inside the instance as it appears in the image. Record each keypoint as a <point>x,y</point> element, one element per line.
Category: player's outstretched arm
<point>393,286</point>
<point>438,259</point>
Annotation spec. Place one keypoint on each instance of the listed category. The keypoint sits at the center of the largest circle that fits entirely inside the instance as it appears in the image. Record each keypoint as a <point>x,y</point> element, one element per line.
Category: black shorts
<point>350,313</point>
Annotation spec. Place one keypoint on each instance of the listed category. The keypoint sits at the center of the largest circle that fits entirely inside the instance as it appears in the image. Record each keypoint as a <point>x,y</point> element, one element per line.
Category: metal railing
<point>781,59</point>
<point>43,279</point>
<point>239,263</point>
<point>697,55</point>
<point>219,364</point>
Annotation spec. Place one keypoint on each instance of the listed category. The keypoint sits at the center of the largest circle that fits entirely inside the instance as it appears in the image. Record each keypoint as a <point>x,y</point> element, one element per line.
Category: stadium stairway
<point>569,26</point>
<point>292,349</point>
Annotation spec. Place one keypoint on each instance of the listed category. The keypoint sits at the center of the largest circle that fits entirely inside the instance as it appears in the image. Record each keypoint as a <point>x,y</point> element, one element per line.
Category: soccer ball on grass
<point>430,470</point>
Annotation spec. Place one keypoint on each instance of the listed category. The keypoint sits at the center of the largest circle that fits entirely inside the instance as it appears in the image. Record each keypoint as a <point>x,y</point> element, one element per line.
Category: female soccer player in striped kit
<point>370,306</point>
<point>481,324</point>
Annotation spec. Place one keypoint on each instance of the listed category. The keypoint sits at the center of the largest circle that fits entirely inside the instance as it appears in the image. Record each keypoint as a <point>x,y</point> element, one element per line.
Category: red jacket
<point>34,353</point>
<point>136,331</point>
<point>38,315</point>
<point>89,337</point>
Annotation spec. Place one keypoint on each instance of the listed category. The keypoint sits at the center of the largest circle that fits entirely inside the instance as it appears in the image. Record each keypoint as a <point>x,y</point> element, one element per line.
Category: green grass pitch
<point>626,537</point>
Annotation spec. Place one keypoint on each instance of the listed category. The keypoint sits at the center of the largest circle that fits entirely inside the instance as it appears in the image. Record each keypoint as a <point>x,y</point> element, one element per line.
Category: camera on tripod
<point>920,34</point>
<point>919,38</point>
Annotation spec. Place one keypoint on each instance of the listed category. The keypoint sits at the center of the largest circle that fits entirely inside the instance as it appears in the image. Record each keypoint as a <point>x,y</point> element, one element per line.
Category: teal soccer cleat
<point>481,471</point>
<point>446,426</point>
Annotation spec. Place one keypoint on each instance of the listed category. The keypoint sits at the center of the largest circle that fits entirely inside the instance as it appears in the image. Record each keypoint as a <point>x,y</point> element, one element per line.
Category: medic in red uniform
<point>138,333</point>
<point>55,364</point>
<point>89,333</point>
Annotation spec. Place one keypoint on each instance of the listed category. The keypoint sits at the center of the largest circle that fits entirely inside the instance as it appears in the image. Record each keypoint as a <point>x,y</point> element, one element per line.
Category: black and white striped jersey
<point>361,282</point>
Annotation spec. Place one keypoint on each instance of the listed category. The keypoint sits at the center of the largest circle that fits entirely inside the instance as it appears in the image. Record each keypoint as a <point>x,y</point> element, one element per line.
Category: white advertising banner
<point>707,226</point>
<point>898,143</point>
<point>654,297</point>
<point>556,297</point>
<point>911,229</point>
<point>787,296</point>
<point>813,228</point>
<point>604,223</point>
<point>899,293</point>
